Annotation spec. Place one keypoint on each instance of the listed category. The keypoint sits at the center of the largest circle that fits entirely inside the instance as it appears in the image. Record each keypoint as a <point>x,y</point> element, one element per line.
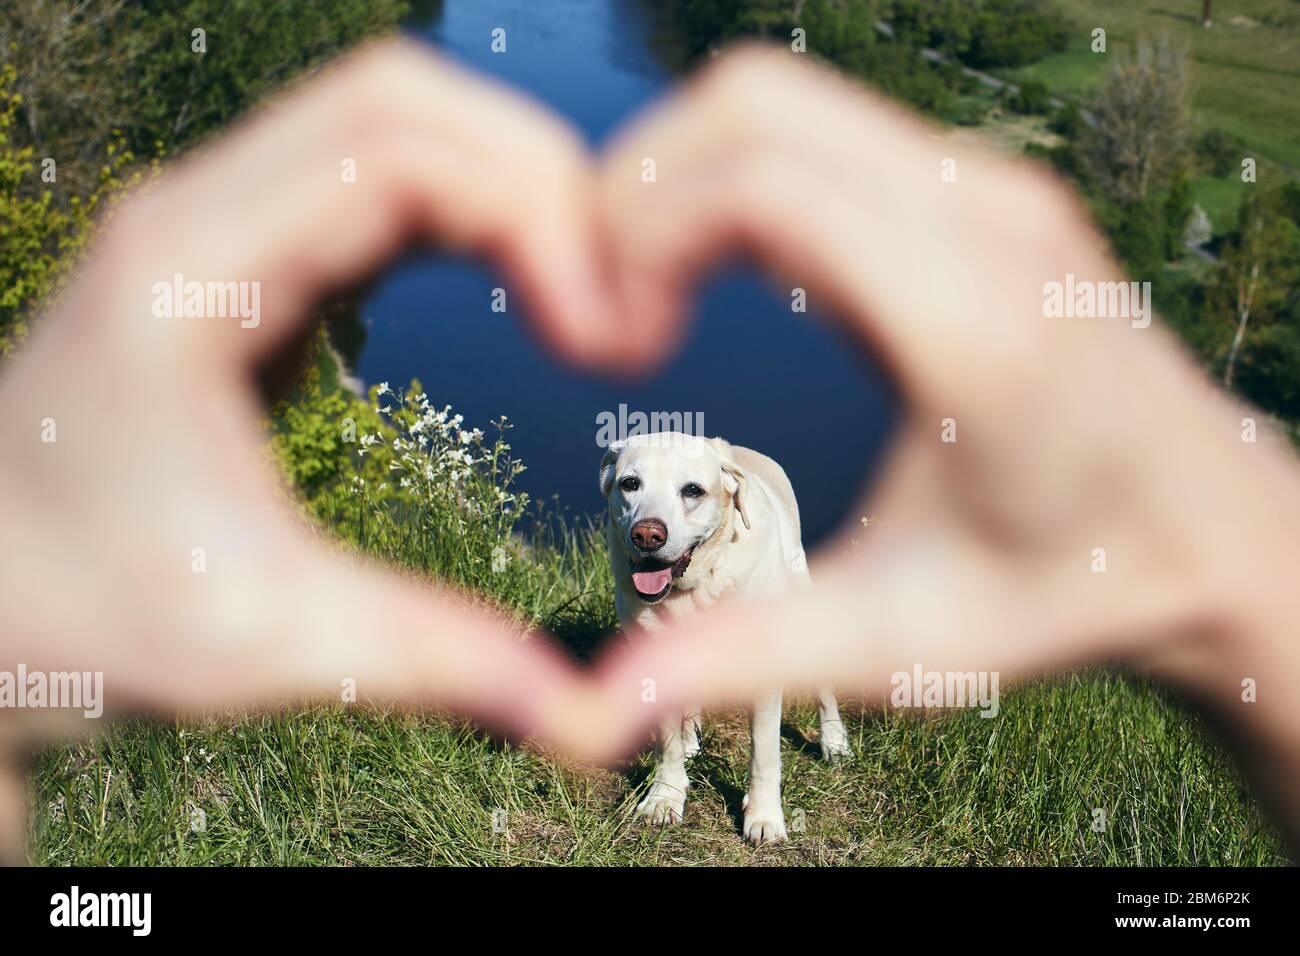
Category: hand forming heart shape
<point>985,559</point>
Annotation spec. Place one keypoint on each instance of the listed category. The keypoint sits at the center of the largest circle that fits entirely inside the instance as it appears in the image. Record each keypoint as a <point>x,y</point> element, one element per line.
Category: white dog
<point>692,519</point>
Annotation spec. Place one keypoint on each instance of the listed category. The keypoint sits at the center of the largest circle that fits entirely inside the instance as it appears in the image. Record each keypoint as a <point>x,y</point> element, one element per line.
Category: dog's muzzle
<point>653,579</point>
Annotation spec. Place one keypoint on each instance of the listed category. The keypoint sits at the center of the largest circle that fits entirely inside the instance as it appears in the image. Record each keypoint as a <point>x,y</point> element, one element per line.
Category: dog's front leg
<point>764,821</point>
<point>691,731</point>
<point>835,739</point>
<point>666,800</point>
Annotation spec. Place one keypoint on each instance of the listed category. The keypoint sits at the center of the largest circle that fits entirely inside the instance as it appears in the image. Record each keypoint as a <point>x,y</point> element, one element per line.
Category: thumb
<point>922,602</point>
<point>735,652</point>
<point>321,625</point>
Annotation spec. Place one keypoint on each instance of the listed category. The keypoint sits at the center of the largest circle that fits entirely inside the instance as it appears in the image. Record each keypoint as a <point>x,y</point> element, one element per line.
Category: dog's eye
<point>692,490</point>
<point>630,483</point>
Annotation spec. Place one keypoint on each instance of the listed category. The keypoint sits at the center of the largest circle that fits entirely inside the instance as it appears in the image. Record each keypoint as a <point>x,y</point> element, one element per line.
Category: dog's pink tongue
<point>652,582</point>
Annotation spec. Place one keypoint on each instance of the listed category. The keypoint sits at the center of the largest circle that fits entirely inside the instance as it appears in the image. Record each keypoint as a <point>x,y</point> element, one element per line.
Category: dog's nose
<point>650,534</point>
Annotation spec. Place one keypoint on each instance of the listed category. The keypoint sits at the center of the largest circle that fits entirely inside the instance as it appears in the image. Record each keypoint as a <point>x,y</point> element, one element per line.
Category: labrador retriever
<point>691,520</point>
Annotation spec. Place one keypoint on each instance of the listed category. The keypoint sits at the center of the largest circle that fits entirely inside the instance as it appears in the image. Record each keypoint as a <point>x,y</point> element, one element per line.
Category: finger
<point>297,623</point>
<point>841,193</point>
<point>389,147</point>
<point>923,606</point>
<point>412,642</point>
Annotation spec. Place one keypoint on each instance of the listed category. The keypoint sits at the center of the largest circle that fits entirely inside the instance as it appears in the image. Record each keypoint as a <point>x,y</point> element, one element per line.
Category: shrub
<point>1138,232</point>
<point>898,71</point>
<point>39,239</point>
<point>1067,121</point>
<point>1177,209</point>
<point>1032,97</point>
<point>1011,33</point>
<point>1220,152</point>
<point>966,111</point>
<point>1268,371</point>
<point>360,464</point>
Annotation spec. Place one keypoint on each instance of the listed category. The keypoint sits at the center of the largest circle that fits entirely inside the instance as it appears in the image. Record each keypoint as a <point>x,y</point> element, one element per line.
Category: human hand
<point>157,420</point>
<point>1027,443</point>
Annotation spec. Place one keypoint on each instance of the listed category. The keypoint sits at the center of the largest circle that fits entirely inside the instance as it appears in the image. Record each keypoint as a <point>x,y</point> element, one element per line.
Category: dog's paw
<point>835,743</point>
<point>663,805</point>
<point>764,826</point>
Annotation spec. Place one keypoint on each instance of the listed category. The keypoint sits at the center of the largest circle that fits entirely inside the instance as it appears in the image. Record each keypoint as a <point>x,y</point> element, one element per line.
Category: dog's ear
<point>734,480</point>
<point>608,465</point>
<point>736,483</point>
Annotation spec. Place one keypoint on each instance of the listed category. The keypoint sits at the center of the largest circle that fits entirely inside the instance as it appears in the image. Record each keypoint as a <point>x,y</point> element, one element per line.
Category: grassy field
<point>1246,67</point>
<point>345,786</point>
<point>334,787</point>
<point>1246,75</point>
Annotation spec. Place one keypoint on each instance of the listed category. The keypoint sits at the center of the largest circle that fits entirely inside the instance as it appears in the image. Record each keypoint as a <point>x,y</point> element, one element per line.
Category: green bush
<point>1011,33</point>
<point>1219,152</point>
<point>981,33</point>
<point>899,72</point>
<point>1138,233</point>
<point>317,431</point>
<point>1177,209</point>
<point>1032,97</point>
<point>966,111</point>
<point>1067,121</point>
<point>395,468</point>
<point>39,240</point>
<point>1268,370</point>
<point>842,32</point>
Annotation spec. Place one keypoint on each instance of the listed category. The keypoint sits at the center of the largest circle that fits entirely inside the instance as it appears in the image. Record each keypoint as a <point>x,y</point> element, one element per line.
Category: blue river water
<point>756,373</point>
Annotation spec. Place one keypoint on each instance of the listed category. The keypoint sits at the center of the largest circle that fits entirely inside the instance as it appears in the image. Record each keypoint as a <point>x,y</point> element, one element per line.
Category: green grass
<point>1220,197</point>
<point>1246,71</point>
<point>338,787</point>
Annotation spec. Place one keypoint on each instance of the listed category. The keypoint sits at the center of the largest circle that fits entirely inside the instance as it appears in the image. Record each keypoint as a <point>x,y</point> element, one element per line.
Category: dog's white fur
<point>744,529</point>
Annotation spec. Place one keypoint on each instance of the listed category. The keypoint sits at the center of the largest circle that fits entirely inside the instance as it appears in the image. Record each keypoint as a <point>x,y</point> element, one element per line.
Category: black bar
<point>333,905</point>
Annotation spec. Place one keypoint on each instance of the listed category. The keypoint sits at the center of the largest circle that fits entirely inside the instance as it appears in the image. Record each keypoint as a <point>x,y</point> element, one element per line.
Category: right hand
<point>1072,434</point>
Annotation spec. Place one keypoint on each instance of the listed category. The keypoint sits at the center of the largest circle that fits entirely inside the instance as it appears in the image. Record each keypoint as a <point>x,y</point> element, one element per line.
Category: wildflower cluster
<point>449,476</point>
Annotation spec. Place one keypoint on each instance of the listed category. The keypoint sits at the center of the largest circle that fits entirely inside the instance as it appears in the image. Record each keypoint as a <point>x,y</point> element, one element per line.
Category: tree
<point>91,84</point>
<point>1178,208</point>
<point>1140,136</point>
<point>69,58</point>
<point>91,70</point>
<point>39,240</point>
<point>1260,271</point>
